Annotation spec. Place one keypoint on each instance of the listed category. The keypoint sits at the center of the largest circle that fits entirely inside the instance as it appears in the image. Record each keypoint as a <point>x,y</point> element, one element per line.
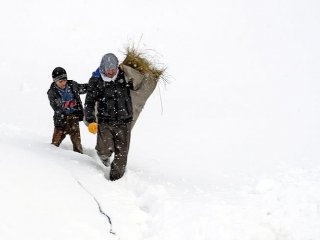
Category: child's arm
<point>83,88</point>
<point>55,103</point>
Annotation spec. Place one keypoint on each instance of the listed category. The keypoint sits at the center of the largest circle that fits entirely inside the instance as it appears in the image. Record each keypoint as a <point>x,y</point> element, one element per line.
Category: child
<point>64,97</point>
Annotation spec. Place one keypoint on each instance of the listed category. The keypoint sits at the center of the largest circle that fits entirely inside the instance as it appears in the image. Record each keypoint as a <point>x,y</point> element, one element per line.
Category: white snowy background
<point>228,150</point>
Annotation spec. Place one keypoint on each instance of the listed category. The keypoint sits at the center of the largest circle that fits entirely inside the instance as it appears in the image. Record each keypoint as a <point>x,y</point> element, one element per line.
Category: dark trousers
<point>114,138</point>
<point>72,128</point>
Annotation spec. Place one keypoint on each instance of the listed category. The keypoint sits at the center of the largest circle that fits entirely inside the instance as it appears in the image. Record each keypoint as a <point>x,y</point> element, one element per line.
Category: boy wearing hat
<point>64,97</point>
<point>108,110</point>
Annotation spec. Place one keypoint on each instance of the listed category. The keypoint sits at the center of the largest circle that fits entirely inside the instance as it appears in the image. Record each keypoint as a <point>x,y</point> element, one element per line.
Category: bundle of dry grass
<point>144,76</point>
<point>139,61</point>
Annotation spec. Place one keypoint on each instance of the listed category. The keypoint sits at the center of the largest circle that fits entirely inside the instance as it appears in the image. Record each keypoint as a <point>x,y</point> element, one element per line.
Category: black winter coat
<point>112,100</point>
<point>56,103</point>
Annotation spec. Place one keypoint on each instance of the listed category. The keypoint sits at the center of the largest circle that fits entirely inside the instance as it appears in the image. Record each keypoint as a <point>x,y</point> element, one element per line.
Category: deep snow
<point>227,150</point>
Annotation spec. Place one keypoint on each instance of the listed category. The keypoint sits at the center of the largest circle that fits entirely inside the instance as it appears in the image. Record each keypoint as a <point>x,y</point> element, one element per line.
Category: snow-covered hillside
<point>229,149</point>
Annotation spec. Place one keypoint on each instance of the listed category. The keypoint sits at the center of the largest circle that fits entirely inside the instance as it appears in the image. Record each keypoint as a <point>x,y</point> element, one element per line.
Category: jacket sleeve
<point>57,106</point>
<point>90,102</point>
<point>83,88</point>
<point>78,87</point>
<point>55,103</point>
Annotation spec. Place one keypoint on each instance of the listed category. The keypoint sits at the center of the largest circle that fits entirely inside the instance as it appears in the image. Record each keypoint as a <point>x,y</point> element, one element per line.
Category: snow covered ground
<point>229,149</point>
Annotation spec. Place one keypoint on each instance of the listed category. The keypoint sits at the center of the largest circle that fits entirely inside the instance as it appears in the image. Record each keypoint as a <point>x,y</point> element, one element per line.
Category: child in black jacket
<point>64,97</point>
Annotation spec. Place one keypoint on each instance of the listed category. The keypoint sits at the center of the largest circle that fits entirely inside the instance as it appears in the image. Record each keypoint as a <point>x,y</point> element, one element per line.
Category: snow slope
<point>227,150</point>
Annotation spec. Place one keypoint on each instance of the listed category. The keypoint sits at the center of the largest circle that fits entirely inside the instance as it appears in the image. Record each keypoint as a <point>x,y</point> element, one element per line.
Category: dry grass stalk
<point>140,62</point>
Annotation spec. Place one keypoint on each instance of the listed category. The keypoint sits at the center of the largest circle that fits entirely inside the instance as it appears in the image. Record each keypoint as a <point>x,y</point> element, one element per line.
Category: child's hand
<point>93,127</point>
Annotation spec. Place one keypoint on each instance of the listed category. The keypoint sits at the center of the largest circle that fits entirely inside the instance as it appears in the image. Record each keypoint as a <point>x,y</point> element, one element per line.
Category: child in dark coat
<point>64,97</point>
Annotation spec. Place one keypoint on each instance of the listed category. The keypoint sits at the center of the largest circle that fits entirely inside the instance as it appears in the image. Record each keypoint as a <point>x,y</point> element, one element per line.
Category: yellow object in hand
<point>93,128</point>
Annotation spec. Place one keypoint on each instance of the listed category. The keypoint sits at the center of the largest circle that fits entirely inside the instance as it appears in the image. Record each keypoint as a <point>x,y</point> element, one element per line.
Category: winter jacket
<point>60,113</point>
<point>113,99</point>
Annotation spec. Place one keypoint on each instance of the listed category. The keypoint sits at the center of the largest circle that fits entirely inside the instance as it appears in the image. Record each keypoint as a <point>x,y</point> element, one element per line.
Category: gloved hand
<point>93,127</point>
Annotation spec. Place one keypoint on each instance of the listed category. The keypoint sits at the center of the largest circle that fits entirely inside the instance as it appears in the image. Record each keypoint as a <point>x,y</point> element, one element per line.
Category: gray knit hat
<point>108,61</point>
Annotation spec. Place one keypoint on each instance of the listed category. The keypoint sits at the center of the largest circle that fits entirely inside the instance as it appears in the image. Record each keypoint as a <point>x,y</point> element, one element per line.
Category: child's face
<point>61,83</point>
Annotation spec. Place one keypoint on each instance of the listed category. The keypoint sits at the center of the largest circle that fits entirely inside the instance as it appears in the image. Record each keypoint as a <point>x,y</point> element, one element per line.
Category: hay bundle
<point>144,75</point>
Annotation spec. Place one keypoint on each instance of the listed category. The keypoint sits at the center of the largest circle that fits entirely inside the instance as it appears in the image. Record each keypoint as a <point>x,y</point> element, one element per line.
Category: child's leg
<point>75,137</point>
<point>58,135</point>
